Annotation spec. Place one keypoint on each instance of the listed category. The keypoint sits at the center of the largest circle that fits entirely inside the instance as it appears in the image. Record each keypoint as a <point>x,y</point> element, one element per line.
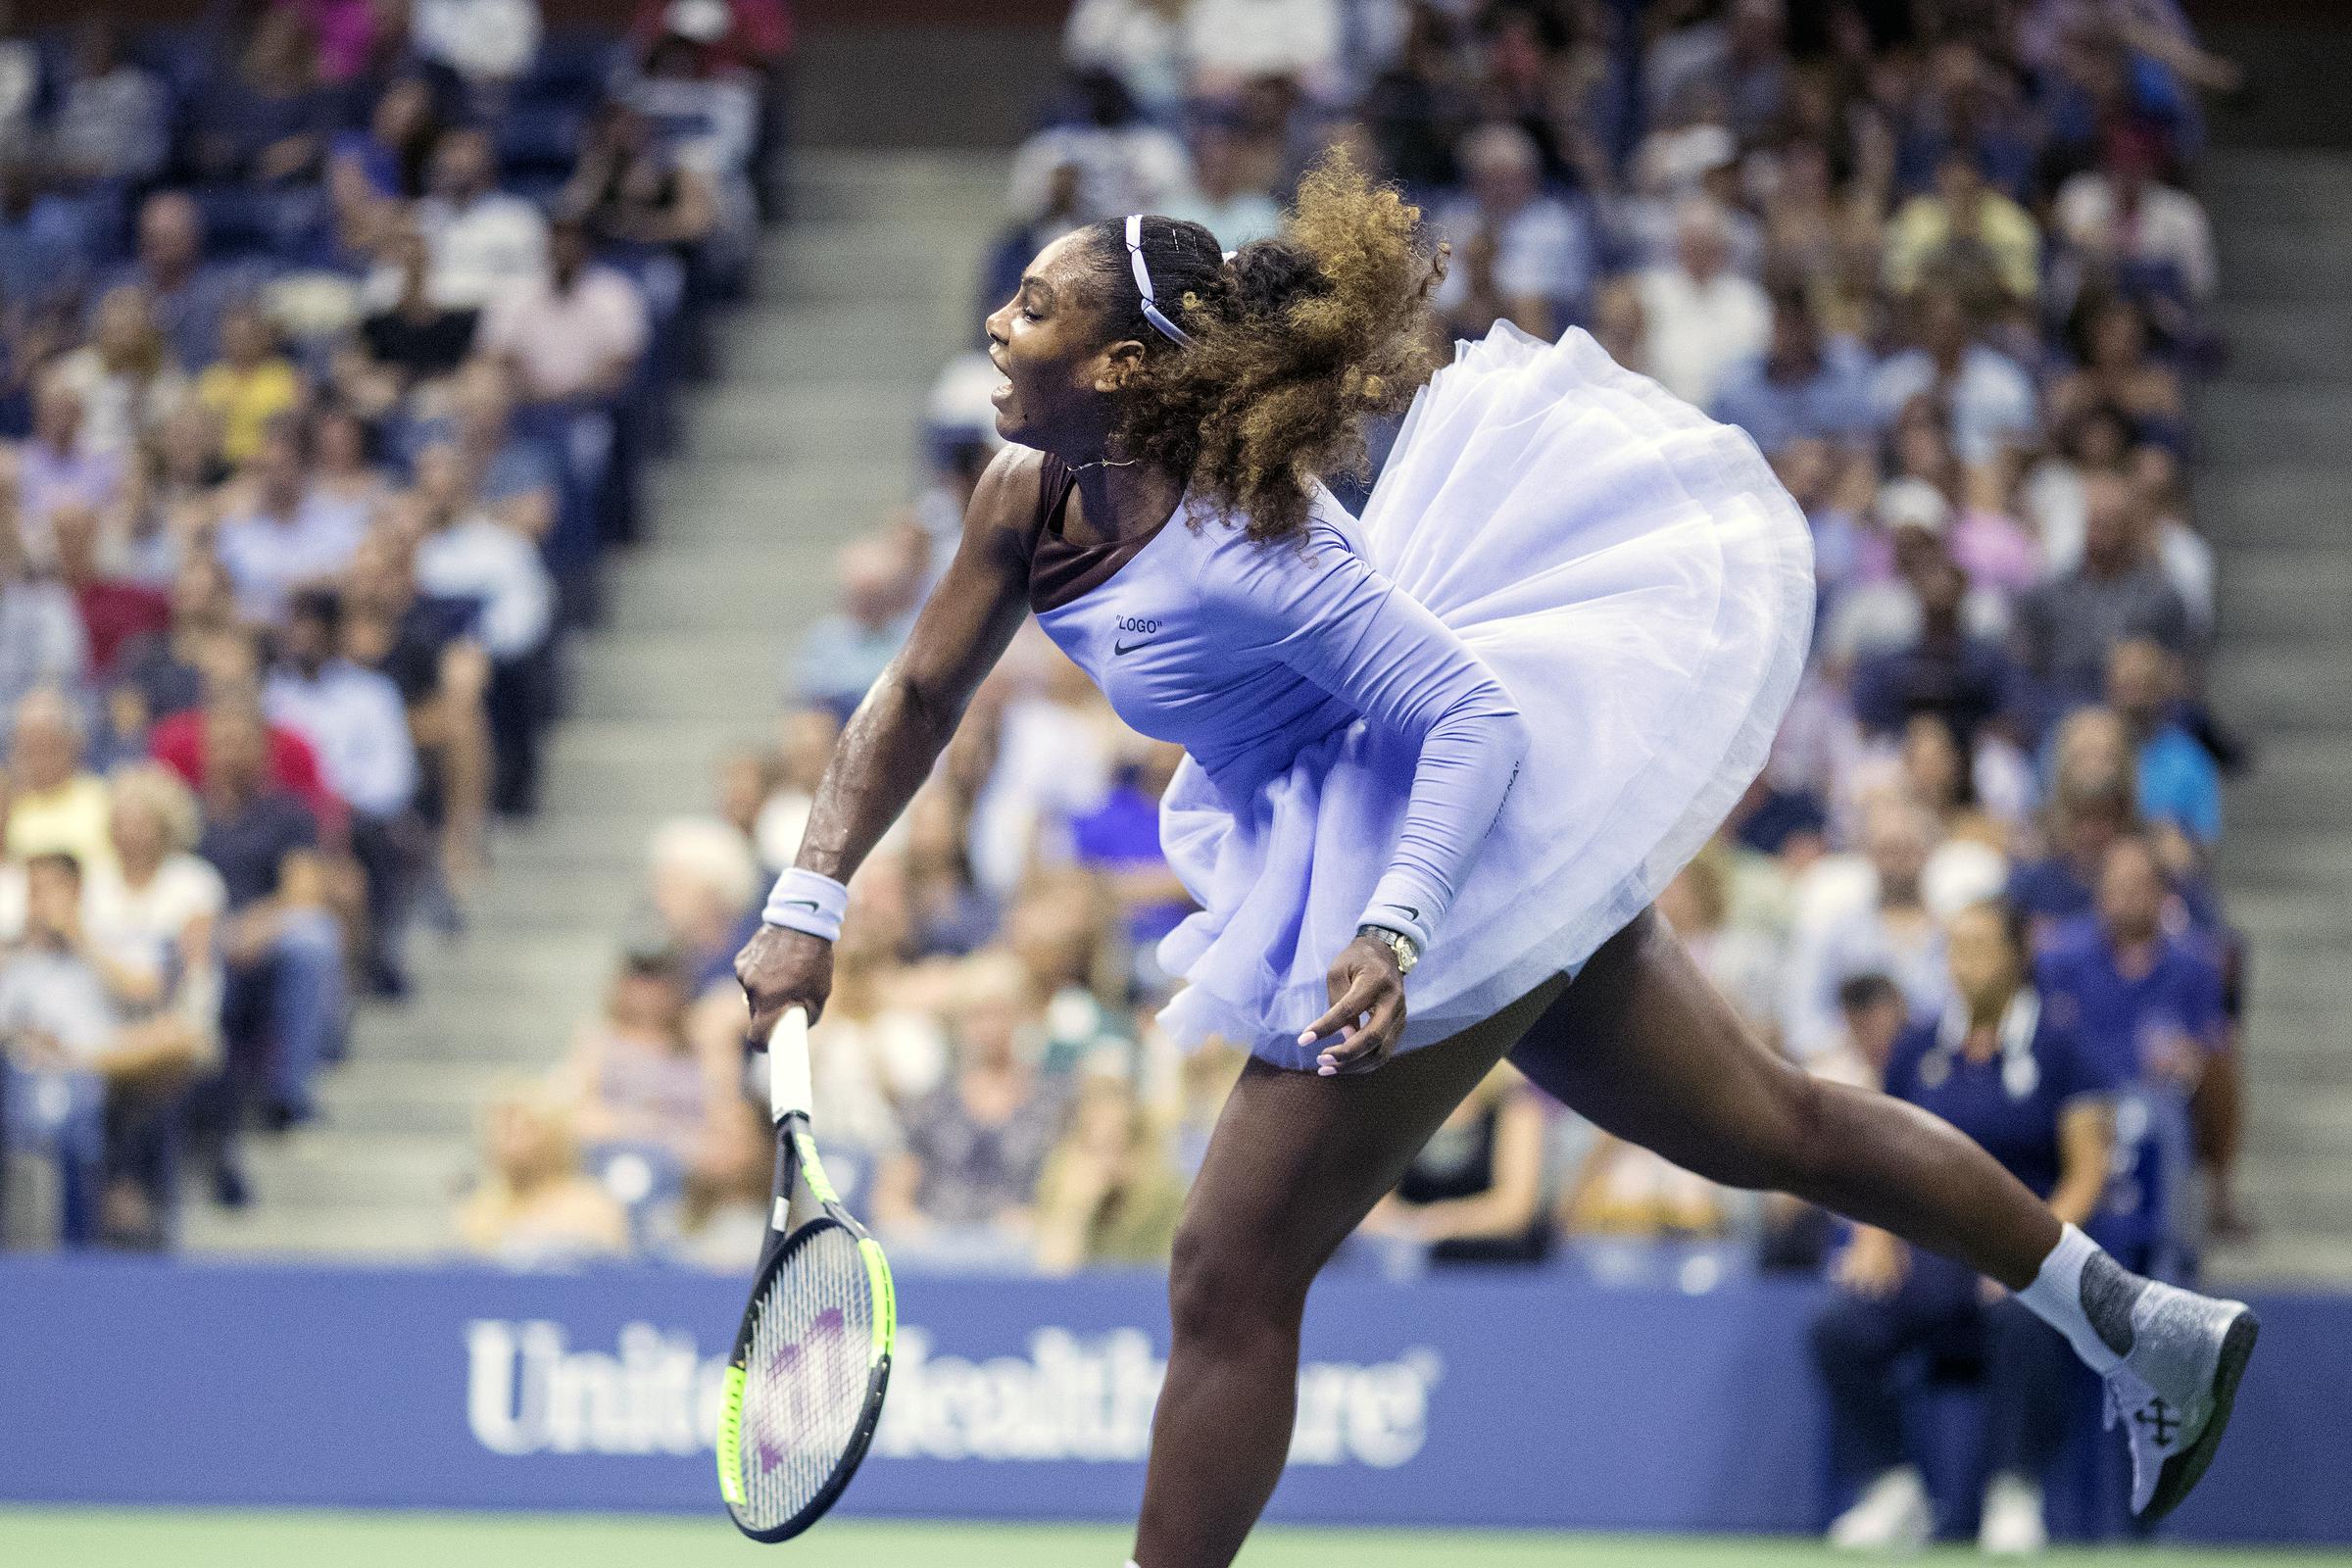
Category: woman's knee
<point>1225,1287</point>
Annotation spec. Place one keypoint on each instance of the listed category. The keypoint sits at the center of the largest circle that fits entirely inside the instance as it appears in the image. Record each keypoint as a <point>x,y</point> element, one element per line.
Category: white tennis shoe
<point>2175,1390</point>
<point>2012,1524</point>
<point>1892,1514</point>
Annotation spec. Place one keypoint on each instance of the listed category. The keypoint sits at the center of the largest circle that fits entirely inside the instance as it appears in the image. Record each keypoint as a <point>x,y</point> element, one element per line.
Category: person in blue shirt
<point>1805,385</point>
<point>2007,1069</point>
<point>2179,783</point>
<point>2147,1003</point>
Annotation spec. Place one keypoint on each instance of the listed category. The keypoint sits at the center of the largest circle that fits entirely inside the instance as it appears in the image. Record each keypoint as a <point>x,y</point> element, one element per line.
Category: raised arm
<point>1349,630</point>
<point>887,751</point>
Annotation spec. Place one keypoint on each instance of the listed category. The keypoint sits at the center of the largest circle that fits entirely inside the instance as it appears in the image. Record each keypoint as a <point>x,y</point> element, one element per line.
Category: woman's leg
<point>1643,1046</point>
<point>1296,1162</point>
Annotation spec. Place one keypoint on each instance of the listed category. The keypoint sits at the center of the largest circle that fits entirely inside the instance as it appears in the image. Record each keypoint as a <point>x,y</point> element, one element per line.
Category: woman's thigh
<point>1643,1046</point>
<point>1297,1160</point>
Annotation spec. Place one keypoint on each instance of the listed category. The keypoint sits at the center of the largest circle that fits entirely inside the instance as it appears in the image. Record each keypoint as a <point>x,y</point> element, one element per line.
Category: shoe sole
<point>2184,1470</point>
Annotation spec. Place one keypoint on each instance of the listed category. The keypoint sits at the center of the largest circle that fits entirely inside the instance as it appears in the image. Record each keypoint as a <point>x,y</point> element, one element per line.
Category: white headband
<point>1143,285</point>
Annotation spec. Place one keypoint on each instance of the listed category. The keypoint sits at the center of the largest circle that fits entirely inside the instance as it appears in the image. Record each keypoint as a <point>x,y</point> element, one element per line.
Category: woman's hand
<point>781,969</point>
<point>1367,1010</point>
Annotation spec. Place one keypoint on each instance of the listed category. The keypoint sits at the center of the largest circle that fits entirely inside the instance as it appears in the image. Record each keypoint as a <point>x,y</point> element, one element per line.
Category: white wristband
<point>807,902</point>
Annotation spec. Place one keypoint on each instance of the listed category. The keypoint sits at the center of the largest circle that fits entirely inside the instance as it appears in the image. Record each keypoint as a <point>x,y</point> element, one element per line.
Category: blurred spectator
<point>1475,1193</point>
<point>805,745</point>
<point>61,1026</point>
<point>1967,681</point>
<point>289,534</point>
<point>187,295</point>
<point>356,722</point>
<point>1744,965</point>
<point>1986,400</point>
<point>482,242</point>
<point>124,376</point>
<point>2126,223</point>
<point>1965,235</point>
<point>2116,369</point>
<point>267,119</point>
<point>873,1055</point>
<point>975,1145</point>
<point>2066,627</point>
<point>1805,384</point>
<point>285,976</point>
<point>536,1208</point>
<point>56,805</point>
<point>1702,317</point>
<point>1138,41</point>
<point>632,191</point>
<point>1541,260</point>
<point>633,1081</point>
<point>1119,840</point>
<point>2147,1003</point>
<point>2013,1074</point>
<point>416,338</point>
<point>251,385</point>
<point>1230,42</point>
<point>41,639</point>
<point>486,42</point>
<point>59,467</point>
<point>396,148</point>
<point>702,882</point>
<point>575,337</point>
<point>1889,931</point>
<point>2175,779</point>
<point>113,610</point>
<point>20,86</point>
<point>466,554</point>
<point>1220,196</point>
<point>1109,1193</point>
<point>423,645</point>
<point>840,657</point>
<point>950,914</point>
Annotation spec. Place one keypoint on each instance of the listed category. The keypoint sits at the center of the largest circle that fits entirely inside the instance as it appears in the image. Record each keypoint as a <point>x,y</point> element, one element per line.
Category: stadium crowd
<point>1942,260</point>
<point>333,340</point>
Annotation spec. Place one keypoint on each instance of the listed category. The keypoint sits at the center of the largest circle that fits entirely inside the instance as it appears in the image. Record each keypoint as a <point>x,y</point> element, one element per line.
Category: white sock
<point>2056,1298</point>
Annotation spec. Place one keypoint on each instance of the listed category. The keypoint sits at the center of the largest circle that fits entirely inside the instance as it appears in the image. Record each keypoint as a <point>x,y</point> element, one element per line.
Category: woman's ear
<point>1117,364</point>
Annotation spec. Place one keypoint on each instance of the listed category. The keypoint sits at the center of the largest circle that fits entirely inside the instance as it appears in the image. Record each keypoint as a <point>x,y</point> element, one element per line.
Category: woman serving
<point>1444,756</point>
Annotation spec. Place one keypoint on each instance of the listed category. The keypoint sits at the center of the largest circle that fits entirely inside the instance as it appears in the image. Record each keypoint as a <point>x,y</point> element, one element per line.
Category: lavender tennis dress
<point>1500,710</point>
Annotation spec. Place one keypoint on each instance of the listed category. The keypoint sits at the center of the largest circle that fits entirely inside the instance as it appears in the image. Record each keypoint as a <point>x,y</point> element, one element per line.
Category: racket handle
<point>788,1065</point>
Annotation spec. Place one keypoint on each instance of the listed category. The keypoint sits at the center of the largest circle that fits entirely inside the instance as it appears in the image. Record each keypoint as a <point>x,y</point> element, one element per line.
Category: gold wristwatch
<point>1397,944</point>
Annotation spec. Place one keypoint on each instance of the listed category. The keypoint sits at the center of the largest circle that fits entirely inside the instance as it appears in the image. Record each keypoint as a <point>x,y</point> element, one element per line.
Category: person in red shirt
<point>232,677</point>
<point>112,610</point>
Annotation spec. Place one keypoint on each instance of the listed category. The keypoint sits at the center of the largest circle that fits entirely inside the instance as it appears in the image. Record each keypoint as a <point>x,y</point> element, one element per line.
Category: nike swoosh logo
<point>1410,914</point>
<point>800,904</point>
<point>1118,647</point>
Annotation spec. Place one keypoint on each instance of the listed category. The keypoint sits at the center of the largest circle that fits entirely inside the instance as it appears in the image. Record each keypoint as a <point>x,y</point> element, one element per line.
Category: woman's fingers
<point>1347,1008</point>
<point>1365,1041</point>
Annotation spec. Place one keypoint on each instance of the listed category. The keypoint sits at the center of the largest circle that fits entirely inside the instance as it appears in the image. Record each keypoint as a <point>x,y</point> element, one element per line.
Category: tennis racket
<point>812,1361</point>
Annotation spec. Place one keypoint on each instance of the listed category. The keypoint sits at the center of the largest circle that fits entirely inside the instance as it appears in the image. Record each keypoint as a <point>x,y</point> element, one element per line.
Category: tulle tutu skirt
<point>1640,584</point>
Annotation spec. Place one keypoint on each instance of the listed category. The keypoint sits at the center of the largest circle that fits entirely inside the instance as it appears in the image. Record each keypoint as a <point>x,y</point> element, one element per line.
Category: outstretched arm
<point>887,751</point>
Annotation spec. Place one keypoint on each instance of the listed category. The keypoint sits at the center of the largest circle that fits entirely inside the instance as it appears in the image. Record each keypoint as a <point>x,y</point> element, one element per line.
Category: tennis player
<point>1441,760</point>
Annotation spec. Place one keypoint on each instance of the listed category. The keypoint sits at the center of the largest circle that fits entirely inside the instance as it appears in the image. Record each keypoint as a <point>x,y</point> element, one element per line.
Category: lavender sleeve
<point>1342,625</point>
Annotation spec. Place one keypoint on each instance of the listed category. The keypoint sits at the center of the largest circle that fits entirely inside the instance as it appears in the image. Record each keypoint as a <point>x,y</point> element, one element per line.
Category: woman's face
<point>1059,374</point>
<point>1985,964</point>
<point>137,831</point>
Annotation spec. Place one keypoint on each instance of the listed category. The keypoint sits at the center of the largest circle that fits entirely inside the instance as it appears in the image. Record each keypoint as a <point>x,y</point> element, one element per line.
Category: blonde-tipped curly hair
<point>1295,341</point>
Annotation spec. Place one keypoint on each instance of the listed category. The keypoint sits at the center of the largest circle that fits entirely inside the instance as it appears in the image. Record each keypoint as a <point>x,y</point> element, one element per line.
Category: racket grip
<point>788,1065</point>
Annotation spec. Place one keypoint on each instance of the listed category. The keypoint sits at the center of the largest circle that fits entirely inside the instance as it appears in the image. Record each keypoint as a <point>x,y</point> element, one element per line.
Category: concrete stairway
<point>806,437</point>
<point>2276,435</point>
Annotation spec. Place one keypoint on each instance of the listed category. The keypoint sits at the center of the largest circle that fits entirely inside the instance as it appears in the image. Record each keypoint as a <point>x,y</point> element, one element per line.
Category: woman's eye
<point>1028,314</point>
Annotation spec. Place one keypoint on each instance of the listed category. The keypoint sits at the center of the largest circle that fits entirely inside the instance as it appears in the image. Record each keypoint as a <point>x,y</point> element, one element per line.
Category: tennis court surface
<point>43,1537</point>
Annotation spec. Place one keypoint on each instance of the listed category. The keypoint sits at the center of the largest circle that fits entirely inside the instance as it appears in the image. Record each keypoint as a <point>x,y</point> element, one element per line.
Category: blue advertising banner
<point>1484,1398</point>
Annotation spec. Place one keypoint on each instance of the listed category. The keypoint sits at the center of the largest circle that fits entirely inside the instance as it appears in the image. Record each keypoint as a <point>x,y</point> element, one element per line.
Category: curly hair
<point>1295,341</point>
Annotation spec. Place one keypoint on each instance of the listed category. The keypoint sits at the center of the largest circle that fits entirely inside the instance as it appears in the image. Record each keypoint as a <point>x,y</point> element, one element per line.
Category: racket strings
<point>807,1371</point>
